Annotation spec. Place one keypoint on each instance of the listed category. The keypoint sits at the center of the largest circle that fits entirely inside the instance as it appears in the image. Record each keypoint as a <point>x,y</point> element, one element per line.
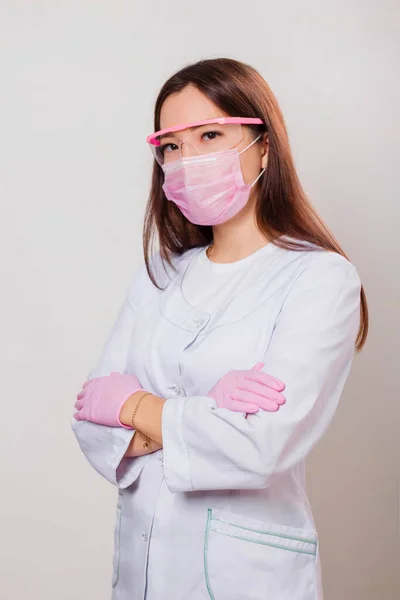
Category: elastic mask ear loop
<point>247,147</point>
<point>251,143</point>
<point>255,181</point>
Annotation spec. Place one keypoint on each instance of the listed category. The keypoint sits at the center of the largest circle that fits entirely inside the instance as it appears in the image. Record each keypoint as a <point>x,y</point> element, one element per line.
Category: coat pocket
<point>117,535</point>
<point>247,558</point>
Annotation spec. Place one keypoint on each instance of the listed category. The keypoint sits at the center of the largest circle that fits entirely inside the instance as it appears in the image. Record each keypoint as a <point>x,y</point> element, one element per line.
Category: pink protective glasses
<point>153,137</point>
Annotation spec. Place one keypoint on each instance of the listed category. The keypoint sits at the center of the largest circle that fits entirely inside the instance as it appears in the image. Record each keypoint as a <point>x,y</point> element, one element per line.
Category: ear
<point>264,152</point>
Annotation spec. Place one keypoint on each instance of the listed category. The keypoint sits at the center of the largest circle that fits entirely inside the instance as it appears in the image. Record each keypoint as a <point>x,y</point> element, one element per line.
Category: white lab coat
<point>222,512</point>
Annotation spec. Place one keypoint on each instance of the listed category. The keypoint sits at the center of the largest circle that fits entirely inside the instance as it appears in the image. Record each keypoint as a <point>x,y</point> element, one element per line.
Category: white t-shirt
<point>209,286</point>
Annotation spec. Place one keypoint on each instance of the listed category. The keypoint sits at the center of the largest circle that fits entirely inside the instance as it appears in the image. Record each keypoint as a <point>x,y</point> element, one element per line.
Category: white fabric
<point>208,285</point>
<point>222,512</point>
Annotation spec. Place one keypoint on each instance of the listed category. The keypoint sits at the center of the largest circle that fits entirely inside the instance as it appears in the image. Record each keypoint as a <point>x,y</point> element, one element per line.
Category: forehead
<point>188,106</point>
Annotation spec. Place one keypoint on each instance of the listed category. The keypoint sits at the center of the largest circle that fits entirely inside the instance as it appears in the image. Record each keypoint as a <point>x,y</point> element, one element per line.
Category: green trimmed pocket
<point>247,558</point>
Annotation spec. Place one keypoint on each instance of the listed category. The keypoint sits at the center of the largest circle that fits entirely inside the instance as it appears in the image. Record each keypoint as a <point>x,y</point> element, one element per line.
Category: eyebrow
<point>172,133</point>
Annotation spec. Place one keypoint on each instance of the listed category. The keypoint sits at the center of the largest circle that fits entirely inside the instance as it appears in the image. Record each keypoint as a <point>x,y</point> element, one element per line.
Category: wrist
<point>147,414</point>
<point>125,415</point>
<point>148,411</point>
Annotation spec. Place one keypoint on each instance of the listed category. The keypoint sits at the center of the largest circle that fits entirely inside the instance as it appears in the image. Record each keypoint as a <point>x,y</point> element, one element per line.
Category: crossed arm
<point>147,421</point>
<point>311,351</point>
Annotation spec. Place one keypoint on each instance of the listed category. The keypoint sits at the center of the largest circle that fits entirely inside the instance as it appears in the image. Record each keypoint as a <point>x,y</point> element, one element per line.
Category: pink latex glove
<point>248,391</point>
<point>102,398</point>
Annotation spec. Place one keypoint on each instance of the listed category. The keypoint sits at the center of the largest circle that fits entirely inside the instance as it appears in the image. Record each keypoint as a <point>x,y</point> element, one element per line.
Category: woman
<point>228,357</point>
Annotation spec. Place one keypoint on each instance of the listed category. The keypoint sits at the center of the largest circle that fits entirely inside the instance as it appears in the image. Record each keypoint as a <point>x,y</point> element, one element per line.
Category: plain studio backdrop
<point>78,84</point>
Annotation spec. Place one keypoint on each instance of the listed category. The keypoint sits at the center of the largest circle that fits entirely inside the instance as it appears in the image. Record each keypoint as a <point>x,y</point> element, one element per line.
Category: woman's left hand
<point>102,398</point>
<point>248,391</point>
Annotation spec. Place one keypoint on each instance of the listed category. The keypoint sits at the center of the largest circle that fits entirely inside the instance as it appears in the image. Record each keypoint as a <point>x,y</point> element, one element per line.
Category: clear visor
<point>193,141</point>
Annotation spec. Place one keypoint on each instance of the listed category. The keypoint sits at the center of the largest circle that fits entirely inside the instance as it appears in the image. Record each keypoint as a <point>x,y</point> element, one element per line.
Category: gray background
<point>78,83</point>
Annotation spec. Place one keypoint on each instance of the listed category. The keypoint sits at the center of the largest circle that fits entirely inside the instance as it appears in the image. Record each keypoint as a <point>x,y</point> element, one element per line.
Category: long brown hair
<point>282,206</point>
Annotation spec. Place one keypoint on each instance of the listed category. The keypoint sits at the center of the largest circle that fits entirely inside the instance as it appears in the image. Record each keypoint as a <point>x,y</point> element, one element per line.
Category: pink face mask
<point>208,189</point>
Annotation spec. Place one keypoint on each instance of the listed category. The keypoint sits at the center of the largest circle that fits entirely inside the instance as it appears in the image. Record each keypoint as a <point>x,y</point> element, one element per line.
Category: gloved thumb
<point>258,366</point>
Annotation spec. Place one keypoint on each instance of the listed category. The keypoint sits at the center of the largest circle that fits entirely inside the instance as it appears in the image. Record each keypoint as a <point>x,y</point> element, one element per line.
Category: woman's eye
<point>168,148</point>
<point>211,135</point>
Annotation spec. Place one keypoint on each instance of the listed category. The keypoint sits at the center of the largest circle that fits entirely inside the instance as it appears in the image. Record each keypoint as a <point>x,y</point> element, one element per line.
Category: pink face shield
<point>201,137</point>
<point>202,170</point>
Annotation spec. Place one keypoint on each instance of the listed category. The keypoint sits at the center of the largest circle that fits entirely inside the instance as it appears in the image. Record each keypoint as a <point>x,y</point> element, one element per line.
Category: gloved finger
<point>265,379</point>
<point>86,383</point>
<point>258,366</point>
<point>90,384</point>
<point>78,404</point>
<point>240,406</point>
<point>114,373</point>
<point>262,390</point>
<point>264,403</point>
<point>80,395</point>
<point>78,417</point>
<point>270,401</point>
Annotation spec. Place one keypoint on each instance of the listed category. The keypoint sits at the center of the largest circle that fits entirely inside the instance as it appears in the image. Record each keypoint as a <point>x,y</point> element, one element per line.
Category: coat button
<point>145,537</point>
<point>175,389</point>
<point>199,322</point>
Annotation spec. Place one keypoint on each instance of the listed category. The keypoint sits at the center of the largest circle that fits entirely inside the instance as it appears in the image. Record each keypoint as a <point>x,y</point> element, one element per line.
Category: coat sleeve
<point>104,447</point>
<point>311,351</point>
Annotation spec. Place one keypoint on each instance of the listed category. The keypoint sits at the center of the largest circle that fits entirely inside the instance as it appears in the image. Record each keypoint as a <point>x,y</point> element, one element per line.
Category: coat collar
<point>176,309</point>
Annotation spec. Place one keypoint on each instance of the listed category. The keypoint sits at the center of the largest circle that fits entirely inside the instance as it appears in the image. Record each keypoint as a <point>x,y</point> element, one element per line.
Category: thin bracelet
<point>144,437</point>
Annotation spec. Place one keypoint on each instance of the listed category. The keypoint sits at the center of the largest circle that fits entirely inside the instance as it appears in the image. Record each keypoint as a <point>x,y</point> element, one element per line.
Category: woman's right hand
<point>248,391</point>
